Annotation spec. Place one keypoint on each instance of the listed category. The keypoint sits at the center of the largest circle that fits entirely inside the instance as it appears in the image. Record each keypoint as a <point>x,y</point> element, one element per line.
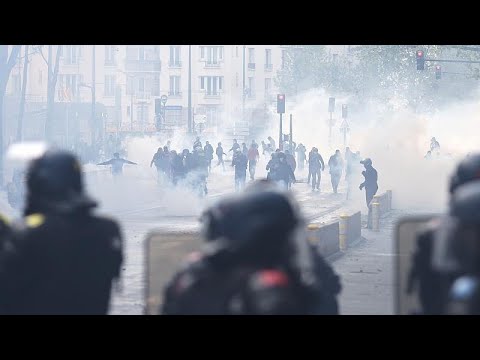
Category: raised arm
<point>106,162</point>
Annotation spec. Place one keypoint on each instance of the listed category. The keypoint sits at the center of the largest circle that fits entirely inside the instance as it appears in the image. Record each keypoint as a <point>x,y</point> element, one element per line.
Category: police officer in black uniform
<point>253,263</point>
<point>62,258</point>
<point>433,285</point>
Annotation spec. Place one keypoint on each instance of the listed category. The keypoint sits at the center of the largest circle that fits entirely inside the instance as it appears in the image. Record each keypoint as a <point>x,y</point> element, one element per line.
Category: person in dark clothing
<point>272,143</point>
<point>434,145</point>
<point>371,180</point>
<point>178,169</point>
<point>301,156</point>
<point>219,152</point>
<point>252,264</point>
<point>158,161</point>
<point>253,156</point>
<point>272,166</point>
<point>370,184</point>
<point>235,146</point>
<point>290,160</point>
<point>208,149</point>
<point>62,259</point>
<point>197,143</point>
<point>432,284</point>
<point>335,164</point>
<point>117,164</point>
<point>284,174</point>
<point>244,149</point>
<point>240,162</point>
<point>315,167</point>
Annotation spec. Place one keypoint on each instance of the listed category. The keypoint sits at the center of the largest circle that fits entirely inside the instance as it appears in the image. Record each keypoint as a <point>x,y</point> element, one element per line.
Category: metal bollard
<point>342,234</point>
<point>311,236</point>
<point>375,216</point>
<point>378,199</point>
<point>389,195</point>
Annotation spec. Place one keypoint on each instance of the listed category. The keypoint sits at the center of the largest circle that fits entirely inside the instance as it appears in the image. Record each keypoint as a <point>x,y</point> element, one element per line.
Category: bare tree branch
<point>40,50</point>
<point>13,57</point>
<point>55,70</point>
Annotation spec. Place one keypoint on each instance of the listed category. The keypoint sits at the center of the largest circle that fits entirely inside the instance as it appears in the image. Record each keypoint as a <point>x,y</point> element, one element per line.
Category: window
<point>251,55</point>
<point>175,56</point>
<point>212,84</point>
<point>68,86</point>
<point>284,53</point>
<point>174,85</point>
<point>141,84</point>
<point>236,79</point>
<point>156,85</point>
<point>251,58</point>
<point>141,53</point>
<point>142,113</point>
<point>212,54</point>
<point>71,53</point>
<point>251,87</point>
<point>268,59</point>
<point>236,51</point>
<point>173,116</point>
<point>109,85</point>
<point>268,86</point>
<point>110,54</point>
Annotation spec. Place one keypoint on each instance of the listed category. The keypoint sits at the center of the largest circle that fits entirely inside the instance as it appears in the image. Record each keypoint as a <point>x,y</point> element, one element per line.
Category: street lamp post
<point>190,127</point>
<point>94,127</point>
<point>243,82</point>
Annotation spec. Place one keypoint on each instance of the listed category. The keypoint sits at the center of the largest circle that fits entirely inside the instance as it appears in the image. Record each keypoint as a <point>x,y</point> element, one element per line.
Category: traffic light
<point>420,60</point>
<point>344,111</point>
<point>438,72</point>
<point>331,104</point>
<point>281,103</point>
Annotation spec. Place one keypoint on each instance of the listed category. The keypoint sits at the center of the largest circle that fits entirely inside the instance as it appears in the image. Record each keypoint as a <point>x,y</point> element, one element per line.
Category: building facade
<point>229,84</point>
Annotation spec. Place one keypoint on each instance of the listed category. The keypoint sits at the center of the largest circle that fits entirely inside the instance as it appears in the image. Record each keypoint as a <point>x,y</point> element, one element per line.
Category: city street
<point>142,206</point>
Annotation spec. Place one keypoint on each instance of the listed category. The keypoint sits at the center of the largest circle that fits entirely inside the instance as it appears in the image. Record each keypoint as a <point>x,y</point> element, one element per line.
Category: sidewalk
<point>367,271</point>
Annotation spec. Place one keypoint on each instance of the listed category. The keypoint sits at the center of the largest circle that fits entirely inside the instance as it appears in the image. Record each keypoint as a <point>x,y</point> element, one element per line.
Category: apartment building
<point>127,79</point>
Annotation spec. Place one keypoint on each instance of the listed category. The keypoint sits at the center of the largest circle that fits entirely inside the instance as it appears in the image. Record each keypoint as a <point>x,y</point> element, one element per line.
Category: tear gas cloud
<point>395,138</point>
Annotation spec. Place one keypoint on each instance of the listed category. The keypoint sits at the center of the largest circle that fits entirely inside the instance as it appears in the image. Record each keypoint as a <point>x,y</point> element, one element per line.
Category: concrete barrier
<point>381,205</point>
<point>164,252</point>
<point>335,236</point>
<point>354,227</point>
<point>324,237</point>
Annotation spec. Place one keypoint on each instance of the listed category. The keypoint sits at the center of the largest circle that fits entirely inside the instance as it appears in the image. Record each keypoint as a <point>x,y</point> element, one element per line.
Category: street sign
<point>344,125</point>
<point>173,107</point>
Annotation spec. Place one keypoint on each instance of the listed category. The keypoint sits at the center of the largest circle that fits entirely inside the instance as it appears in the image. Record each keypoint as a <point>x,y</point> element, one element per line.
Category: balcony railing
<point>212,64</point>
<point>143,95</point>
<point>251,66</point>
<point>268,67</point>
<point>175,64</point>
<point>143,65</point>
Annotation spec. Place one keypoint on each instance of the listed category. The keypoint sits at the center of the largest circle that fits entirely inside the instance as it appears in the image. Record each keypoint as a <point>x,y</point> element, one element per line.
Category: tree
<point>383,73</point>
<point>52,71</point>
<point>7,62</point>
